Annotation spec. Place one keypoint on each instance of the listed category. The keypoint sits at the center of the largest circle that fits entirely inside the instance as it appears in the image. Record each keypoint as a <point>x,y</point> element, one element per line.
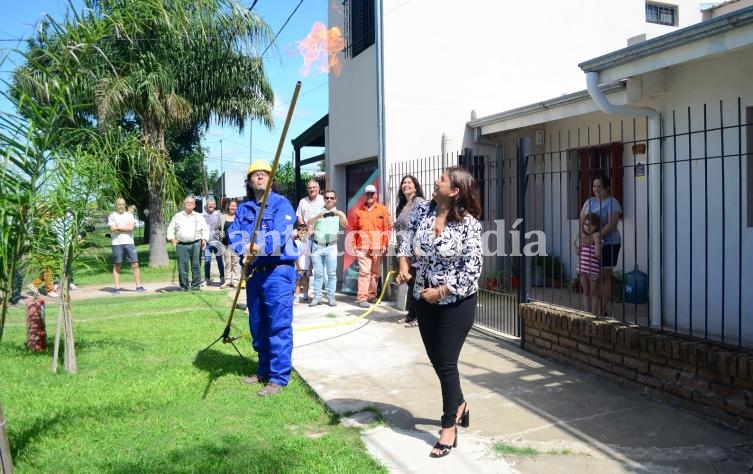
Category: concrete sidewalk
<point>577,422</point>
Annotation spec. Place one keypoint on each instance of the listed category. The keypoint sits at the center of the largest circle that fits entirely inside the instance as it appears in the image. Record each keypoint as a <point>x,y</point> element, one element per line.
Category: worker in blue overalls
<point>271,277</point>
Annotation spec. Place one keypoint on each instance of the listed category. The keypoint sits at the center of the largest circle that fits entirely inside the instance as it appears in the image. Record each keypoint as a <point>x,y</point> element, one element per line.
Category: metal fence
<point>497,309</point>
<point>695,181</point>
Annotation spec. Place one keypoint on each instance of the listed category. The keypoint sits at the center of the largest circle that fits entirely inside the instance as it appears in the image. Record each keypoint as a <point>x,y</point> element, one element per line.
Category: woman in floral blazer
<point>444,243</point>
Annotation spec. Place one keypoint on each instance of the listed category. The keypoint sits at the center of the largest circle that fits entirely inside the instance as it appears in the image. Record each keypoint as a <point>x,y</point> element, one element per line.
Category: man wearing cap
<point>370,230</point>
<point>271,276</point>
<point>188,233</point>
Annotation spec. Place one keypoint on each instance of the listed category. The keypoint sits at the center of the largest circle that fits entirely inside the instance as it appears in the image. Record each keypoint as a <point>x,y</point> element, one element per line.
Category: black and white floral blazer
<point>453,258</point>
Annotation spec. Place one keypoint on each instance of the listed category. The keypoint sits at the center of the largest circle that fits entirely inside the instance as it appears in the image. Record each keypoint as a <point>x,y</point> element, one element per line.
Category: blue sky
<point>226,148</point>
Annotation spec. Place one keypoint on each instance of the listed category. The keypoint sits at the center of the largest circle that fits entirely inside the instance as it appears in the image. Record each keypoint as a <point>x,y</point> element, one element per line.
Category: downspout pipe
<point>654,185</point>
<point>381,135</point>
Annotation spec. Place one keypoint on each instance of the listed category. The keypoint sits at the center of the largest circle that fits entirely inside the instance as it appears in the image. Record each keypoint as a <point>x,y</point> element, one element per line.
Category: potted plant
<point>573,285</point>
<point>514,273</point>
<point>547,270</point>
<point>494,280</point>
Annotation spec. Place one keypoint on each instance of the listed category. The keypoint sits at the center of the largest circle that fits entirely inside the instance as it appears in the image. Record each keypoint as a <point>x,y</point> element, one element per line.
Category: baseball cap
<point>259,165</point>
<point>370,189</point>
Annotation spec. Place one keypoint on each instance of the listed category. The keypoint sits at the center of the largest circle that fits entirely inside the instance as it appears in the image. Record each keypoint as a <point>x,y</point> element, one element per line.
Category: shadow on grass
<point>225,454</point>
<point>169,289</point>
<point>22,438</point>
<point>93,340</point>
<point>218,364</point>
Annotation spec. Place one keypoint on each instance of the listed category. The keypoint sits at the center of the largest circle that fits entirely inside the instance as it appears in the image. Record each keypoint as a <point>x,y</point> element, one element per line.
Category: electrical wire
<point>281,28</point>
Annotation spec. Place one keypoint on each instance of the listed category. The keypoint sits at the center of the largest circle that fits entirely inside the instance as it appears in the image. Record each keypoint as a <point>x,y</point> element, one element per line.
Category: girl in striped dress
<point>587,245</point>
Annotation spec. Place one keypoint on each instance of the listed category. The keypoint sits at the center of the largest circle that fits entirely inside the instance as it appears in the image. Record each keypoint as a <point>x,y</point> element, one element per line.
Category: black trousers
<point>410,301</point>
<point>443,330</point>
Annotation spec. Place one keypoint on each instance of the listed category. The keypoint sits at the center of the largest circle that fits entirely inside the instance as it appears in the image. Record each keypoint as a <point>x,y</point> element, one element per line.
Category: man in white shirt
<point>308,205</point>
<point>121,225</point>
<point>189,233</point>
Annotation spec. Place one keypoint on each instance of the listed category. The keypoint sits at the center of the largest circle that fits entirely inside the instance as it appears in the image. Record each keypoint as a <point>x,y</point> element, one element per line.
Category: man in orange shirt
<point>371,231</point>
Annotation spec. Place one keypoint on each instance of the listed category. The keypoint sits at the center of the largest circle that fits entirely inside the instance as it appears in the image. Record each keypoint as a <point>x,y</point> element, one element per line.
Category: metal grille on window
<point>359,26</point>
<point>661,14</point>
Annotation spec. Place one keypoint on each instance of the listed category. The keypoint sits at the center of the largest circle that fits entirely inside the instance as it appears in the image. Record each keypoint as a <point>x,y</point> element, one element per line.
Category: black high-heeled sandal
<point>444,449</point>
<point>465,418</point>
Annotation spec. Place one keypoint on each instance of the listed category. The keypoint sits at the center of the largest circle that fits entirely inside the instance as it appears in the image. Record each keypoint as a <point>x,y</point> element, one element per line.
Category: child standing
<point>303,264</point>
<point>587,245</point>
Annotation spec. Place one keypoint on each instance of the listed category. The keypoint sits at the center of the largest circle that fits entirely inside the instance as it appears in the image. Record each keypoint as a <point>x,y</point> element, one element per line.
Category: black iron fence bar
<point>706,218</point>
<point>522,173</point>
<point>724,217</point>
<point>740,216</point>
<point>690,214</point>
<point>676,227</point>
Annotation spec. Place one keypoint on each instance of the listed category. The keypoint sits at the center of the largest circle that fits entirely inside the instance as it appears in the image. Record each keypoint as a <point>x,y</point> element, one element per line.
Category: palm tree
<point>167,64</point>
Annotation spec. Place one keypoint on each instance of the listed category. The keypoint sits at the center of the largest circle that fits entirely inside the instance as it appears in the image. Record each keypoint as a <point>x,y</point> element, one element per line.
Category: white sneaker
<point>52,294</point>
<point>72,286</point>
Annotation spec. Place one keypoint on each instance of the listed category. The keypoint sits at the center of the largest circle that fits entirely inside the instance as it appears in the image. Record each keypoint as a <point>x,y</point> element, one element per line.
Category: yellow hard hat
<point>259,165</point>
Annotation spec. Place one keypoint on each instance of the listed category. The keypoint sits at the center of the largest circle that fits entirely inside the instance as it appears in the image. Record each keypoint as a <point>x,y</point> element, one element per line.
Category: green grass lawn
<point>147,399</point>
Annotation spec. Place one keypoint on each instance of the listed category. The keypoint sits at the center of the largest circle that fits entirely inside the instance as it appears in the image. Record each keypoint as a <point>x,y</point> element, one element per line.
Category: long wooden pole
<point>247,261</point>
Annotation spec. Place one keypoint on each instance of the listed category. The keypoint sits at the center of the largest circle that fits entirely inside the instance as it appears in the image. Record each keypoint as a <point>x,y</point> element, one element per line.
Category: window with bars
<point>360,26</point>
<point>661,13</point>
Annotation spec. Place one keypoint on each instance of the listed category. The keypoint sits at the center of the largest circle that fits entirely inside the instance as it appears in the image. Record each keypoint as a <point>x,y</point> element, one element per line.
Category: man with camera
<point>326,223</point>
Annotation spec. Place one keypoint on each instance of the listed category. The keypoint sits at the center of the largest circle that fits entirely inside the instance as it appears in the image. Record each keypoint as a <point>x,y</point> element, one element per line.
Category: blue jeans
<point>324,258</point>
<point>213,248</point>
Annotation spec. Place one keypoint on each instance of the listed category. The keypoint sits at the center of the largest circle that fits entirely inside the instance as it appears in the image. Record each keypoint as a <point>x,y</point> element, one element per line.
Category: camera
<point>328,214</point>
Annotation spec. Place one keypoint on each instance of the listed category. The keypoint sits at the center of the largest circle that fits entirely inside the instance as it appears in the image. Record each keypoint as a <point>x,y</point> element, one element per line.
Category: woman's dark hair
<point>401,199</point>
<point>227,204</point>
<point>604,181</point>
<point>467,200</point>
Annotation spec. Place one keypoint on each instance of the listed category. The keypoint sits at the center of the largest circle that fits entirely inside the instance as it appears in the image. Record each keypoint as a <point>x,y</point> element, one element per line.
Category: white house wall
<point>441,63</point>
<point>717,205</point>
<point>352,110</point>
<point>443,60</point>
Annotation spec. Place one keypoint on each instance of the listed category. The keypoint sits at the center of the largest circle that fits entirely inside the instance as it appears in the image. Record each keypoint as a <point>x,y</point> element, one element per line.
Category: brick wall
<point>709,378</point>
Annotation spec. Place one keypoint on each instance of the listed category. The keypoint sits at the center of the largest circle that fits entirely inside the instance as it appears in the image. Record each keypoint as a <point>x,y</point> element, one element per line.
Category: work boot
<point>271,389</point>
<point>253,380</point>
